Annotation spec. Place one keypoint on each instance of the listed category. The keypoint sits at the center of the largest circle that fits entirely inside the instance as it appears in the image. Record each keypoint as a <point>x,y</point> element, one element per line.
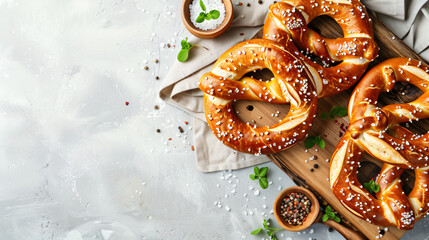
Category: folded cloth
<point>180,86</point>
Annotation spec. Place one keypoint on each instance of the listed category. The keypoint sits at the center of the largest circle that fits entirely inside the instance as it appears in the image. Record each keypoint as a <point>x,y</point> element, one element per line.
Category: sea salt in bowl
<point>202,30</point>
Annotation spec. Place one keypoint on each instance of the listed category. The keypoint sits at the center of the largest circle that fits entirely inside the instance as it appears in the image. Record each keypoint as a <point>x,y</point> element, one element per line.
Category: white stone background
<point>77,163</point>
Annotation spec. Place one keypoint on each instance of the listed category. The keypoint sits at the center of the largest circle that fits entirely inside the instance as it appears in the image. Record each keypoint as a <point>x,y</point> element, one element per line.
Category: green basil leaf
<point>322,143</point>
<point>331,215</point>
<point>328,209</point>
<point>269,233</point>
<point>367,186</point>
<point>208,16</point>
<point>263,172</point>
<point>339,111</point>
<point>337,219</point>
<point>184,44</point>
<point>265,223</point>
<point>215,14</point>
<point>309,142</point>
<point>263,183</point>
<point>200,18</point>
<point>256,232</point>
<point>376,188</point>
<point>324,116</point>
<point>252,176</point>
<point>203,7</point>
<point>325,217</point>
<point>183,55</point>
<point>256,171</point>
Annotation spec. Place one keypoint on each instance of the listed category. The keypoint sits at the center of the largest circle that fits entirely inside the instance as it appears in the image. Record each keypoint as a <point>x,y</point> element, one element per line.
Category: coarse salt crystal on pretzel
<point>377,131</point>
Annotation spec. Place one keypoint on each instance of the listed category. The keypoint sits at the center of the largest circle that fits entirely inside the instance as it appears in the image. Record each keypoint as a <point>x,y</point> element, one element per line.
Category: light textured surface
<point>78,163</point>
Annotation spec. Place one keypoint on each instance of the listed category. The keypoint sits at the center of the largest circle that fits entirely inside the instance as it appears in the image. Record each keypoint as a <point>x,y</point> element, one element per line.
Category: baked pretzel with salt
<point>297,80</point>
<point>377,131</point>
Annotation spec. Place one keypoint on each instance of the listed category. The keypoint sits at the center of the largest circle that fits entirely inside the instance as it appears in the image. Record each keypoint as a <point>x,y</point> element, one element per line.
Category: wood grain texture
<point>300,164</point>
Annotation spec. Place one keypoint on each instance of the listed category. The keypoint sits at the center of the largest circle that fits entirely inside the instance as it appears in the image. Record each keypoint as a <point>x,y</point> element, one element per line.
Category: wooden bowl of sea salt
<point>220,15</point>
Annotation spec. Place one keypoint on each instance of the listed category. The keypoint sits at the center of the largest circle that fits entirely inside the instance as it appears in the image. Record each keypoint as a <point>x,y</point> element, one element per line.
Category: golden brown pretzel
<point>291,84</point>
<point>288,21</point>
<point>377,131</point>
<point>297,80</point>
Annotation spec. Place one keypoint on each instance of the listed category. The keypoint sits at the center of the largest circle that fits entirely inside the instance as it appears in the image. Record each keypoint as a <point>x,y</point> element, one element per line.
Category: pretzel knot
<point>377,131</point>
<point>297,80</point>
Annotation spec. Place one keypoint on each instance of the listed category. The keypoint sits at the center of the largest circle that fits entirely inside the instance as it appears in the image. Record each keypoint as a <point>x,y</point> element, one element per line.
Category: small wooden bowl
<point>186,18</point>
<point>311,217</point>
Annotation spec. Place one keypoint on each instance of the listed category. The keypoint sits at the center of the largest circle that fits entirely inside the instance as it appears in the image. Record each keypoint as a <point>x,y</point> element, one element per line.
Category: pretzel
<point>291,84</point>
<point>377,131</point>
<point>287,21</point>
<point>297,80</point>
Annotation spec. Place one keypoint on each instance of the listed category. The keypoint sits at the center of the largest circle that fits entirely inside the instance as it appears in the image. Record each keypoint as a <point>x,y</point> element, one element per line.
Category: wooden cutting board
<point>300,164</point>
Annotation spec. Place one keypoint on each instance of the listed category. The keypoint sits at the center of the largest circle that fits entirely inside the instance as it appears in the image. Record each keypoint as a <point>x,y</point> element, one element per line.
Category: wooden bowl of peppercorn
<point>296,208</point>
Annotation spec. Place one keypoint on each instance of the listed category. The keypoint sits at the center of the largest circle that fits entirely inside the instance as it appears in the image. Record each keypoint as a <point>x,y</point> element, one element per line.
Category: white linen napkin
<point>180,87</point>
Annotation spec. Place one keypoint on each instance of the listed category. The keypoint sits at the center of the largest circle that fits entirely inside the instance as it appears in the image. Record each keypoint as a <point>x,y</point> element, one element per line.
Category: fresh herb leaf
<point>321,143</point>
<point>311,141</point>
<point>335,111</point>
<point>270,231</point>
<point>330,215</point>
<point>263,183</point>
<point>263,172</point>
<point>208,16</point>
<point>376,188</point>
<point>200,18</point>
<point>325,217</point>
<point>183,55</point>
<point>256,232</point>
<point>184,52</point>
<point>337,219</point>
<point>203,7</point>
<point>256,171</point>
<point>325,116</point>
<point>214,14</point>
<point>260,175</point>
<point>372,187</point>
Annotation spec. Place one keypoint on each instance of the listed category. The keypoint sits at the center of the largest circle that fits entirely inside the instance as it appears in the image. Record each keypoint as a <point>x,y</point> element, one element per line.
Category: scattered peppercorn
<point>316,165</point>
<point>382,232</point>
<point>312,170</point>
<point>248,4</point>
<point>295,208</point>
<point>260,2</point>
<point>330,229</point>
<point>158,130</point>
<point>249,107</point>
<point>156,60</point>
<point>181,129</point>
<point>157,78</point>
<point>146,68</point>
<point>156,107</point>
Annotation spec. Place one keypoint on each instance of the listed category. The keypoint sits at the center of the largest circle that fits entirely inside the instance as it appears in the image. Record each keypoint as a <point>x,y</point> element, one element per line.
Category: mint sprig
<point>335,111</point>
<point>330,215</point>
<point>184,52</point>
<point>311,141</point>
<point>260,175</point>
<point>270,231</point>
<point>372,187</point>
<point>204,15</point>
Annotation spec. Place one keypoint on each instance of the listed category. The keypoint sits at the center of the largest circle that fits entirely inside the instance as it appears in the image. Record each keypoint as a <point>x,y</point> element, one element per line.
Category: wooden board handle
<point>346,232</point>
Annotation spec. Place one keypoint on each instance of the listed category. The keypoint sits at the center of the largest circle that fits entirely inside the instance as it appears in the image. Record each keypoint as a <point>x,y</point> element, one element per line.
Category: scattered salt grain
<point>256,193</point>
<point>195,10</point>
